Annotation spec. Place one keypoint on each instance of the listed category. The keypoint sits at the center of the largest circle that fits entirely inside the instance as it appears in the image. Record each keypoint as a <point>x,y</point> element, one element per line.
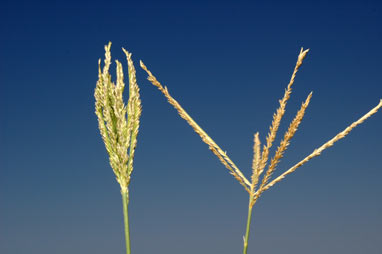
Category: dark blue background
<point>227,63</point>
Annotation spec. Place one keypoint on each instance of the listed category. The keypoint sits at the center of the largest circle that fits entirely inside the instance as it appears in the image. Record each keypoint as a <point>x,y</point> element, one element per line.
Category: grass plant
<point>118,124</point>
<point>259,181</point>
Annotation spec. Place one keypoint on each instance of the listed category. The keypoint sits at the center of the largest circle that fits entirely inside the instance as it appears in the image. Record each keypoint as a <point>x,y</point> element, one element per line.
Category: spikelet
<point>255,162</point>
<point>118,123</point>
<point>280,112</point>
<point>328,144</point>
<point>227,162</point>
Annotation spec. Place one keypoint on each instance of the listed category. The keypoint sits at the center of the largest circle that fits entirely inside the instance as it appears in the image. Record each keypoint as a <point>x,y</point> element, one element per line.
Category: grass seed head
<point>118,123</point>
<point>260,159</point>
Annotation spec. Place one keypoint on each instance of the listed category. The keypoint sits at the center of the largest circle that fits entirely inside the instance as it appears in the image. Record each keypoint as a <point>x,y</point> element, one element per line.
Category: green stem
<point>250,206</point>
<point>125,201</point>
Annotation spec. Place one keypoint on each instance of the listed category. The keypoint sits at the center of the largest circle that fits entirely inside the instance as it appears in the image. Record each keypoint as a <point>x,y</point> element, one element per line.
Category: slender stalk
<point>125,201</point>
<point>250,206</point>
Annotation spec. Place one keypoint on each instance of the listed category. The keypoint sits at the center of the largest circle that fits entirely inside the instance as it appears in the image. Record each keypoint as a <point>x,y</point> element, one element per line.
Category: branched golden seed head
<point>260,159</point>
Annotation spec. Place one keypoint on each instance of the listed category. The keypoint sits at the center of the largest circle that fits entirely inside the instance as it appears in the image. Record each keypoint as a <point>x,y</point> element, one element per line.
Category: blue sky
<point>227,63</point>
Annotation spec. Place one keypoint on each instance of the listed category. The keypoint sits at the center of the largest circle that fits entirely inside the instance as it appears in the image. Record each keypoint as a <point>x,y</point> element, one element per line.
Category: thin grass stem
<point>125,202</point>
<point>250,206</point>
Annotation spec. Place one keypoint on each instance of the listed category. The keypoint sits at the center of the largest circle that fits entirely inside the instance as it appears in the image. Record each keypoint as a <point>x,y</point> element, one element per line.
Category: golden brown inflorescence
<point>118,123</point>
<point>261,159</point>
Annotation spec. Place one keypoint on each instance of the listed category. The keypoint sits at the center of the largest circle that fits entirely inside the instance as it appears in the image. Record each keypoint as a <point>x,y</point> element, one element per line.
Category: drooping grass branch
<point>223,157</point>
<point>260,158</point>
<point>118,124</point>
